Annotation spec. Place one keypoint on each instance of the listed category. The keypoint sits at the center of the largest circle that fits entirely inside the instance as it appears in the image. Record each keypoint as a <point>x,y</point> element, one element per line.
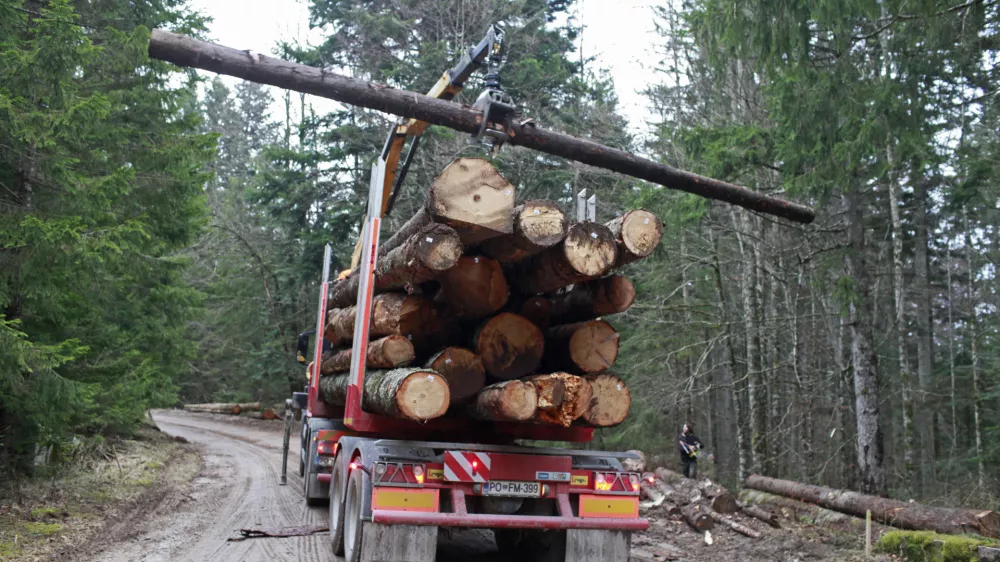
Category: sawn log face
<point>408,393</point>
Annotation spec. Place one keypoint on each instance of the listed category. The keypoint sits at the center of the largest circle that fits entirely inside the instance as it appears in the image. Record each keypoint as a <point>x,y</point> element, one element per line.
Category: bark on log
<point>187,51</point>
<point>812,514</point>
<point>269,414</point>
<point>741,529</point>
<point>588,252</point>
<point>562,398</point>
<point>537,226</point>
<point>408,393</point>
<point>896,513</point>
<point>697,517</point>
<point>214,408</point>
<point>586,347</point>
<point>610,403</point>
<point>510,346</point>
<point>389,352</point>
<point>717,496</point>
<point>474,288</point>
<point>649,491</point>
<point>423,256</point>
<point>536,309</point>
<point>416,317</point>
<point>593,299</point>
<point>760,513</point>
<point>637,233</point>
<point>506,401</point>
<point>462,369</point>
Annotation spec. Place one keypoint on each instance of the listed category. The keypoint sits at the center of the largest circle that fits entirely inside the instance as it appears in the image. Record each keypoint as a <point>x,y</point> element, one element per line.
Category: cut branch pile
<point>504,306</point>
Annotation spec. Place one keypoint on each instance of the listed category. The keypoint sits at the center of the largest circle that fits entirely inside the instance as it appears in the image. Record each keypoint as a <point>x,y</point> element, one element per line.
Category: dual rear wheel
<point>346,504</point>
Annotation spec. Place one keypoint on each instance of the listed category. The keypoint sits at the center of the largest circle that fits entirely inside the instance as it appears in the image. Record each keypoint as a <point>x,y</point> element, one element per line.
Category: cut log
<point>760,514</point>
<point>389,352</point>
<point>425,254</point>
<point>741,529</point>
<point>408,393</point>
<point>809,513</point>
<point>188,51</point>
<point>472,197</point>
<point>474,288</point>
<point>537,309</point>
<point>510,346</point>
<point>506,401</point>
<point>537,226</point>
<point>717,496</point>
<point>896,513</point>
<point>562,398</point>
<point>610,403</point>
<point>462,369</point>
<point>588,251</point>
<point>648,491</point>
<point>214,408</point>
<point>635,465</point>
<point>637,233</point>
<point>416,317</point>
<point>269,414</point>
<point>585,347</point>
<point>593,299</point>
<point>697,517</point>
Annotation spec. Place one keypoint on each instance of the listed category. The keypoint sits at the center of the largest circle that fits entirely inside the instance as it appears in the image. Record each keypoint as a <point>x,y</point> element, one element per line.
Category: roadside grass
<point>54,513</point>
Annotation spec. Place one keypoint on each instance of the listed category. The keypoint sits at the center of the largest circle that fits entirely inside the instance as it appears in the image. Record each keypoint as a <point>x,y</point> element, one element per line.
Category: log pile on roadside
<point>249,410</point>
<point>492,310</point>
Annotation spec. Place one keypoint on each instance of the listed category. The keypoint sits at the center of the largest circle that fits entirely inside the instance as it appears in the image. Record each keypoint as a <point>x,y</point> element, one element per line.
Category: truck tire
<point>310,482</point>
<point>337,488</point>
<point>353,510</point>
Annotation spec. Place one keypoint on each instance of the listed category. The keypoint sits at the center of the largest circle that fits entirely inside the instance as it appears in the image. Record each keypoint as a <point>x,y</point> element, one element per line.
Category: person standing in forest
<point>689,445</point>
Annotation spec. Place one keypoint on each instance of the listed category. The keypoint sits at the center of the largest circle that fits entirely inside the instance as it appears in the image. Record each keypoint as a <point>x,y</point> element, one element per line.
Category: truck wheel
<point>337,508</point>
<point>352,515</point>
<point>310,482</point>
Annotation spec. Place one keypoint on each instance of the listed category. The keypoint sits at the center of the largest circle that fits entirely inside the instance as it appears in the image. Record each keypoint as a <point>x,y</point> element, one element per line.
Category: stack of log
<point>492,310</point>
<point>250,410</point>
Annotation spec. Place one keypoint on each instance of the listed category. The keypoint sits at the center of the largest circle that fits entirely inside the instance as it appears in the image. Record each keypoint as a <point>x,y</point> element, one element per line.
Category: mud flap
<point>398,543</point>
<point>607,546</point>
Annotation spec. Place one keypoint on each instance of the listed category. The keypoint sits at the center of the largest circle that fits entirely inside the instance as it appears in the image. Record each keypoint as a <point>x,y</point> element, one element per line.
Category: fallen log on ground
<point>717,496</point>
<point>896,513</point>
<point>805,512</point>
<point>408,393</point>
<point>610,403</point>
<point>585,347</point>
<point>697,517</point>
<point>389,352</point>
<point>592,299</point>
<point>588,252</point>
<point>637,233</point>
<point>760,513</point>
<point>462,369</point>
<point>215,408</point>
<point>739,528</point>
<point>506,401</point>
<point>191,52</point>
<point>537,226</point>
<point>562,398</point>
<point>474,288</point>
<point>265,414</point>
<point>510,346</point>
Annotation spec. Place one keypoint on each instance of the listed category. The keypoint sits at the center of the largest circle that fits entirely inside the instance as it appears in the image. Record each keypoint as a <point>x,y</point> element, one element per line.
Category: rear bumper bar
<point>506,521</point>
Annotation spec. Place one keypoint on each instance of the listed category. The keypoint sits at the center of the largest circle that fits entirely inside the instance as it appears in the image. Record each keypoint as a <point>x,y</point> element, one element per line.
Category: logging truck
<point>399,450</point>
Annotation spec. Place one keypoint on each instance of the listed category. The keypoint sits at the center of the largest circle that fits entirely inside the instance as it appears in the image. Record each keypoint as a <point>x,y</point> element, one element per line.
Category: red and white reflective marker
<point>466,466</point>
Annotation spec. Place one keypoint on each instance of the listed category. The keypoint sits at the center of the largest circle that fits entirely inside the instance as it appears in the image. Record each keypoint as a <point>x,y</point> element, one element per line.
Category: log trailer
<point>392,483</point>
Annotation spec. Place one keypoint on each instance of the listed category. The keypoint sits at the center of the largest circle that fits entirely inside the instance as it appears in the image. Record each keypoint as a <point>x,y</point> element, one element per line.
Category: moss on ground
<point>928,546</point>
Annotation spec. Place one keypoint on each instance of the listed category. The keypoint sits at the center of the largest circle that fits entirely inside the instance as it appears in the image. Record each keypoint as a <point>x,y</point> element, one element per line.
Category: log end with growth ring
<point>594,346</point>
<point>616,294</point>
<point>423,395</point>
<point>475,287</point>
<point>462,369</point>
<point>438,247</point>
<point>506,401</point>
<point>590,248</point>
<point>640,232</point>
<point>471,196</point>
<point>541,223</point>
<point>510,345</point>
<point>610,403</point>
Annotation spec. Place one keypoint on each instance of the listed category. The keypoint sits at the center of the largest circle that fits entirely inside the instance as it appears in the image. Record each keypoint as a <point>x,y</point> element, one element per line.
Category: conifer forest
<point>162,229</point>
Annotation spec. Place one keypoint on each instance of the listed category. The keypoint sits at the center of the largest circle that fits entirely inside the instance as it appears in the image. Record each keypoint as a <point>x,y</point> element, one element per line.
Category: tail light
<point>623,483</point>
<point>633,479</point>
<point>398,474</point>
<point>326,448</point>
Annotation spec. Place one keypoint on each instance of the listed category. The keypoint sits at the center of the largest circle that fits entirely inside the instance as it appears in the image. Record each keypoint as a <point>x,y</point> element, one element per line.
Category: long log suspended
<point>601,297</point>
<point>389,352</point>
<point>610,403</point>
<point>506,401</point>
<point>432,249</point>
<point>408,393</point>
<point>474,288</point>
<point>462,369</point>
<point>510,345</point>
<point>896,513</point>
<point>188,51</point>
<point>537,225</point>
<point>585,347</point>
<point>588,252</point>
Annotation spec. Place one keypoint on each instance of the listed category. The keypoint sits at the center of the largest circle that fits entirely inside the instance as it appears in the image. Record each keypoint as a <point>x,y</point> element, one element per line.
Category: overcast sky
<point>618,32</point>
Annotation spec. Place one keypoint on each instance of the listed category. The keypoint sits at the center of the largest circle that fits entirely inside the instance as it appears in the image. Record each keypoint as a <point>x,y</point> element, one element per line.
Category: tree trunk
<point>506,401</point>
<point>537,226</point>
<point>973,321</point>
<point>562,398</point>
<point>924,324</point>
<point>593,299</point>
<point>432,249</point>
<point>870,446</point>
<point>187,51</point>
<point>741,529</point>
<point>900,514</point>
<point>408,393</point>
<point>416,317</point>
<point>610,401</point>
<point>510,345</point>
<point>474,288</point>
<point>389,352</point>
<point>588,252</point>
<point>756,392</point>
<point>586,347</point>
<point>637,233</point>
<point>462,369</point>
<point>697,517</point>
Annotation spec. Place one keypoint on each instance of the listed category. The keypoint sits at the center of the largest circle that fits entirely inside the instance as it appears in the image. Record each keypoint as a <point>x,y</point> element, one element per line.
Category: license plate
<point>515,489</point>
